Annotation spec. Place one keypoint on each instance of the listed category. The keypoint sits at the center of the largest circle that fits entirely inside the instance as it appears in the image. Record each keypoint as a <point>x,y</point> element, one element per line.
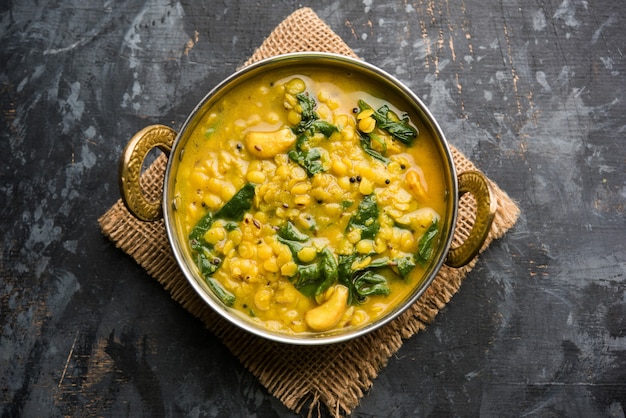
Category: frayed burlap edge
<point>336,376</point>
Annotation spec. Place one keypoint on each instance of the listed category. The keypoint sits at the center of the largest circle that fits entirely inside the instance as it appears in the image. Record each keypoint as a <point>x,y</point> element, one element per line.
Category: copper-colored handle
<point>131,163</point>
<point>475,183</point>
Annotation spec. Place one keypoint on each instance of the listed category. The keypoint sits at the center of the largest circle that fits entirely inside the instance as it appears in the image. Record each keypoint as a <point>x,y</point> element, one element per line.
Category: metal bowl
<point>174,143</point>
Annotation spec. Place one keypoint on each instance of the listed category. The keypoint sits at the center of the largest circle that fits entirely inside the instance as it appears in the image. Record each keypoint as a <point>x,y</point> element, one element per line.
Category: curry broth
<point>246,150</point>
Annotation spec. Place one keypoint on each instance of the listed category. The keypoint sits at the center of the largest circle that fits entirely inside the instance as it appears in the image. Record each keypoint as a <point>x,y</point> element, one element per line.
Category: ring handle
<point>477,184</point>
<point>131,163</point>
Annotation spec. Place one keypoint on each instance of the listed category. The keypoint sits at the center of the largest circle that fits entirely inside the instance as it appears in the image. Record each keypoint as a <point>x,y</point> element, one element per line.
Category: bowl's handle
<point>131,164</point>
<point>475,183</point>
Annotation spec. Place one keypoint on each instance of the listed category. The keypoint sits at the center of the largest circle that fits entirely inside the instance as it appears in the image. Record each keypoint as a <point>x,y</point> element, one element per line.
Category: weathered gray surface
<point>533,92</point>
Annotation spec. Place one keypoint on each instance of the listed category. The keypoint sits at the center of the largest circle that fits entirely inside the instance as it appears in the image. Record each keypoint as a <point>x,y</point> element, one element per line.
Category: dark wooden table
<point>532,91</point>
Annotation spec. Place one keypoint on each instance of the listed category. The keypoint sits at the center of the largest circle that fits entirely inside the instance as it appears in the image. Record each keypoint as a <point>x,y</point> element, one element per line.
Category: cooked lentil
<point>335,195</point>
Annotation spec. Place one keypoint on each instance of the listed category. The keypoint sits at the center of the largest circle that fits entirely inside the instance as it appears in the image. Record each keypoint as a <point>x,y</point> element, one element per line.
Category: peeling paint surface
<point>532,92</point>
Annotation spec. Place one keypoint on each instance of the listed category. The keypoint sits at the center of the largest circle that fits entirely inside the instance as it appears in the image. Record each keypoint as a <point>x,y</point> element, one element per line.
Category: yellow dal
<point>219,159</point>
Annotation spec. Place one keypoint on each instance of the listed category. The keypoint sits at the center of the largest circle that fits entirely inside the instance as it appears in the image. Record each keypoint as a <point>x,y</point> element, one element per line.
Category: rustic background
<point>532,91</point>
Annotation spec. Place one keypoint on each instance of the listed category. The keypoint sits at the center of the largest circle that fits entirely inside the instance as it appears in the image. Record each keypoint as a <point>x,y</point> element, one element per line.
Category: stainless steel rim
<point>313,58</point>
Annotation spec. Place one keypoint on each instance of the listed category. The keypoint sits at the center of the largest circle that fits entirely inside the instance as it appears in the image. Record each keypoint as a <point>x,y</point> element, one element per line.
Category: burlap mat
<point>336,376</point>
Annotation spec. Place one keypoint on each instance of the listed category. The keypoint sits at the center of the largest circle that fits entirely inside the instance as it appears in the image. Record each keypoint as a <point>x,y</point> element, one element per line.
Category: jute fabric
<point>303,378</point>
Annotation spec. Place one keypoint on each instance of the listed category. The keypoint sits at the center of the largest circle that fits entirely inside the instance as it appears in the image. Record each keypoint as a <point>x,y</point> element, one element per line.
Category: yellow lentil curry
<point>310,203</point>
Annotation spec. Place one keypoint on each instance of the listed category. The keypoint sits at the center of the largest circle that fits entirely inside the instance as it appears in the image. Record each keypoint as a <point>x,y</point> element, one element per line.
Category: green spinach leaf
<point>307,279</point>
<point>309,115</point>
<point>387,120</point>
<point>370,283</point>
<point>310,160</point>
<point>222,294</point>
<point>330,270</point>
<point>237,206</point>
<point>366,143</point>
<point>197,233</point>
<point>313,278</point>
<point>366,218</point>
<point>427,242</point>
<point>404,265</point>
<point>325,128</point>
<point>366,280</point>
<point>289,235</point>
<point>289,231</point>
<point>207,260</point>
